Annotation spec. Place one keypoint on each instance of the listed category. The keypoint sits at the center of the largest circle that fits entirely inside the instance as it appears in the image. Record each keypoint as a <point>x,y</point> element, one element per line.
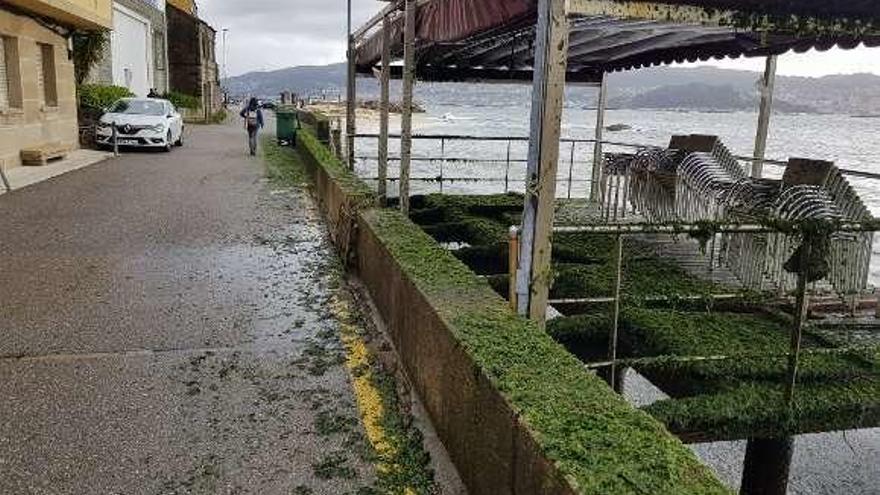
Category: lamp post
<point>225,53</point>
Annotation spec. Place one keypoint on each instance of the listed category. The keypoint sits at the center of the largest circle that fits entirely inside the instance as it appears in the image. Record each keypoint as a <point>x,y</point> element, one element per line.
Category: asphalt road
<point>161,315</point>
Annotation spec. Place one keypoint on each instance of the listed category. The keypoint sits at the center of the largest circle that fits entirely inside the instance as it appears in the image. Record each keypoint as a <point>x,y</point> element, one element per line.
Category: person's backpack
<point>250,119</point>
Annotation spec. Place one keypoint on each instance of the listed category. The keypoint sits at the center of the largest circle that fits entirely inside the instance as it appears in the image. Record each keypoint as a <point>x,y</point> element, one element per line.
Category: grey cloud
<point>272,34</point>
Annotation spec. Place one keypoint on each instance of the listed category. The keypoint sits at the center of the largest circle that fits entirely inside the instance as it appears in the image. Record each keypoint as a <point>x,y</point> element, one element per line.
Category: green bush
<point>98,96</point>
<point>219,116</point>
<point>182,100</point>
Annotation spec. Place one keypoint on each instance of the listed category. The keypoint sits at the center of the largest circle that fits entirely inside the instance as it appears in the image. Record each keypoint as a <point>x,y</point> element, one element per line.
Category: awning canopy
<point>490,40</point>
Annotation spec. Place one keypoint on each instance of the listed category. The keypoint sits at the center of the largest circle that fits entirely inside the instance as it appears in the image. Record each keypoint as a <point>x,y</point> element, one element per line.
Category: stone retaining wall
<point>517,413</point>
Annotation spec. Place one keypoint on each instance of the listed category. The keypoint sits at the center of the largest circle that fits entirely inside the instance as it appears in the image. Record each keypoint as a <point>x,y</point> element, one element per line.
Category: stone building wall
<point>192,59</point>
<point>30,119</point>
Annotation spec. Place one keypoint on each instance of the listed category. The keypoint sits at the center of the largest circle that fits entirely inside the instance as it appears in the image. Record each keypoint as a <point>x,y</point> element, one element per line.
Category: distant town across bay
<point>665,88</point>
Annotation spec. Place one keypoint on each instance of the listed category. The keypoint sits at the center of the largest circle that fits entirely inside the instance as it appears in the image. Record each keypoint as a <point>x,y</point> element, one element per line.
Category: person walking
<point>253,122</point>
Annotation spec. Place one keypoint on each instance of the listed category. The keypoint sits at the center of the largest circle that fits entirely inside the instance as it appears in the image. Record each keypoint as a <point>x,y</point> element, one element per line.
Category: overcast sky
<point>274,34</point>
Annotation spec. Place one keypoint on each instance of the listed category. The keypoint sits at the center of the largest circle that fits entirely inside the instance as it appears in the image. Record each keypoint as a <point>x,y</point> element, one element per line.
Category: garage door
<point>130,43</point>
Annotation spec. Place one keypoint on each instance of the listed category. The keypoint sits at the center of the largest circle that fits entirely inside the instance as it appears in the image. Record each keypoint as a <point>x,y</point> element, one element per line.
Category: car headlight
<point>104,125</point>
<point>158,128</point>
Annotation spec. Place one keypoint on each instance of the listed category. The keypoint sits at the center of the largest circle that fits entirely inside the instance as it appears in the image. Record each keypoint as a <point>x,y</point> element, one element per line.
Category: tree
<point>88,50</point>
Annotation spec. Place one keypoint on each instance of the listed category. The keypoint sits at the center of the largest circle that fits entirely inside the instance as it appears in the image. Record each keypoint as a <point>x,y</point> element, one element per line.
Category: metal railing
<point>801,295</point>
<point>505,158</point>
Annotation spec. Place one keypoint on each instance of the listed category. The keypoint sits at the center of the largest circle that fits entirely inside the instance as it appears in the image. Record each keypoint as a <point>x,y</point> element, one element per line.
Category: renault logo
<point>126,128</point>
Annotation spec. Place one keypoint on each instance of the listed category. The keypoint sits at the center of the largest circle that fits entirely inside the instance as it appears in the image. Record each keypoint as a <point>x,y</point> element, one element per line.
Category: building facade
<point>37,84</point>
<point>188,6</point>
<point>137,56</point>
<point>193,61</point>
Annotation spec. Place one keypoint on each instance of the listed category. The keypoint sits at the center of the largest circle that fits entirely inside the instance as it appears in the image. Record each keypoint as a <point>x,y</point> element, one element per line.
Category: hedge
<point>99,97</point>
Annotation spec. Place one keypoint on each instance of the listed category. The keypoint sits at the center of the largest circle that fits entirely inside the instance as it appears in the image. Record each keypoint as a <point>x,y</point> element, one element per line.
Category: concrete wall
<point>517,413</point>
<point>87,14</point>
<point>494,452</point>
<point>29,122</point>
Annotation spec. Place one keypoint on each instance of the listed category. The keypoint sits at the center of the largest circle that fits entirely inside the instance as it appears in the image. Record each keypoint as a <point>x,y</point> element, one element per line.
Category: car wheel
<point>168,143</point>
<point>180,139</point>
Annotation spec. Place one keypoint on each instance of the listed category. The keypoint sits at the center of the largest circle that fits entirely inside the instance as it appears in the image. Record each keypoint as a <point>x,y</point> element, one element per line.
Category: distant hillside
<point>704,88</point>
<point>700,96</point>
<point>303,79</point>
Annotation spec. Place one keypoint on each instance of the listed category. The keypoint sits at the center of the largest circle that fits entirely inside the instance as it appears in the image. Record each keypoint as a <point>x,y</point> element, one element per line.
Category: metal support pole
<point>768,86</point>
<point>768,460</point>
<point>800,317</point>
<point>5,179</point>
<point>548,92</point>
<point>409,56</point>
<point>612,345</point>
<point>571,169</point>
<point>114,138</point>
<point>442,161</point>
<point>513,261</point>
<point>383,110</point>
<point>507,172</point>
<point>767,465</point>
<point>596,184</point>
<point>351,96</point>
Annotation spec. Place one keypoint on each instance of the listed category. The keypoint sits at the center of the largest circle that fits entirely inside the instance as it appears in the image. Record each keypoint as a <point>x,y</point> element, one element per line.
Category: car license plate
<point>126,142</point>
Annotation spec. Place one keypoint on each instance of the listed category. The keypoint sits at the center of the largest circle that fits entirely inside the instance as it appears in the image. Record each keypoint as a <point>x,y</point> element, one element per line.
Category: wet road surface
<point>166,328</point>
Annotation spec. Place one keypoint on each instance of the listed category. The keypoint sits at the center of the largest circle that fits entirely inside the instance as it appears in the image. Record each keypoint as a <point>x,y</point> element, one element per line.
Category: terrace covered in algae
<point>745,299</point>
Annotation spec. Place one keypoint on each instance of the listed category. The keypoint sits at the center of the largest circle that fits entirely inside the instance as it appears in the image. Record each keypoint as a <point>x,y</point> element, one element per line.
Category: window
<point>10,76</point>
<point>159,49</point>
<point>46,81</point>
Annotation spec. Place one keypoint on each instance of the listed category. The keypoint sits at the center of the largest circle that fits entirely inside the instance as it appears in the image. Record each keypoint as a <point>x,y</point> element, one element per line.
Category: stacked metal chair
<point>652,183</point>
<point>703,178</point>
<point>809,190</point>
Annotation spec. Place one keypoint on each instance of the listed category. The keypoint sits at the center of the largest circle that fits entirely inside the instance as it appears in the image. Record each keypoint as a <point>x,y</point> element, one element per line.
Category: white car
<point>141,122</point>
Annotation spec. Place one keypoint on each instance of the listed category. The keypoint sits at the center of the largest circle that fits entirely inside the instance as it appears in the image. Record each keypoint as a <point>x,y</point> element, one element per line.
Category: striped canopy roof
<point>494,39</point>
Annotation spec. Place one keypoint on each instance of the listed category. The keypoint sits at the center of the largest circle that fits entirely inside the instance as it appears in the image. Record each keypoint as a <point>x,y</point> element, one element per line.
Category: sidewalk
<point>20,177</point>
<point>175,323</point>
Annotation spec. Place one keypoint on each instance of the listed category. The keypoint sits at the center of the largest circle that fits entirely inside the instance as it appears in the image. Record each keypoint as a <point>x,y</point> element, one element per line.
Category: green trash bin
<point>287,124</point>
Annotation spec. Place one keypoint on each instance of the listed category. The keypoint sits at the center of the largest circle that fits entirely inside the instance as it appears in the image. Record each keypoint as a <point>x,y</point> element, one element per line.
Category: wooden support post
<point>513,264</point>
<point>336,143</point>
<point>767,465</point>
<point>384,81</point>
<point>351,97</point>
<point>596,184</point>
<point>768,86</point>
<point>409,58</point>
<point>548,92</point>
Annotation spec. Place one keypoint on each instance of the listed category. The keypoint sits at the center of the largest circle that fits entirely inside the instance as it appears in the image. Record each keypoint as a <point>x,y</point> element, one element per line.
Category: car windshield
<point>138,107</point>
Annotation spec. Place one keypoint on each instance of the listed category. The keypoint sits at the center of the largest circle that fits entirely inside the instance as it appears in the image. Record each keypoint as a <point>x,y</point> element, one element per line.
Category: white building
<point>138,52</point>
